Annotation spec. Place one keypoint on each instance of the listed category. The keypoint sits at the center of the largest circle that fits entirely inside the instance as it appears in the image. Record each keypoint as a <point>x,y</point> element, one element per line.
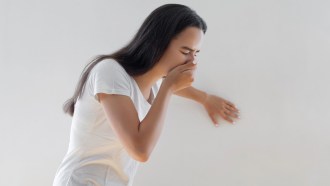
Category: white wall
<point>271,58</point>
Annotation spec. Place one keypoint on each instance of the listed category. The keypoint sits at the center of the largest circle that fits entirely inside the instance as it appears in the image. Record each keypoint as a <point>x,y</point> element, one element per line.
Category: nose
<point>192,57</point>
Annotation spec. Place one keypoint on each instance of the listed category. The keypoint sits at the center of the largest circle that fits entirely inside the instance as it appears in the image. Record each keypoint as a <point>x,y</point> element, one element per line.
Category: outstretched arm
<point>213,104</point>
<point>193,94</point>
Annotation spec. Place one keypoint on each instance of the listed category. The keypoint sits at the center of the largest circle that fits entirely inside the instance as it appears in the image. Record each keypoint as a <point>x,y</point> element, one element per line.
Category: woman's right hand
<point>180,77</point>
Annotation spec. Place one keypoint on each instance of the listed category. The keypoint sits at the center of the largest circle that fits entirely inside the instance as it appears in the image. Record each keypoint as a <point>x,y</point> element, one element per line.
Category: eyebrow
<point>187,48</point>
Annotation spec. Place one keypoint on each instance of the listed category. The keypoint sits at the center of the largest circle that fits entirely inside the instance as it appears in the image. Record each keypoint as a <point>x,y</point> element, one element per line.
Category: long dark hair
<point>147,46</point>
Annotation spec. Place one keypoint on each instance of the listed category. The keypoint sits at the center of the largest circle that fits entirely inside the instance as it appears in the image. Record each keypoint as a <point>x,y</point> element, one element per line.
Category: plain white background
<point>270,57</point>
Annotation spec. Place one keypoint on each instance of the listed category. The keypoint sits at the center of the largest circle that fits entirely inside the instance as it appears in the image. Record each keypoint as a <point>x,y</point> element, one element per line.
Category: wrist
<point>203,98</point>
<point>167,87</point>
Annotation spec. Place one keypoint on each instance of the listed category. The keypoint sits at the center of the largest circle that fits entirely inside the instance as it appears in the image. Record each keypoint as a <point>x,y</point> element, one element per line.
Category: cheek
<point>174,60</point>
<point>177,58</point>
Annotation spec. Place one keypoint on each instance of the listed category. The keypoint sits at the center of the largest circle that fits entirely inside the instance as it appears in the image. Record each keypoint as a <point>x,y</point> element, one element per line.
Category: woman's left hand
<point>216,105</point>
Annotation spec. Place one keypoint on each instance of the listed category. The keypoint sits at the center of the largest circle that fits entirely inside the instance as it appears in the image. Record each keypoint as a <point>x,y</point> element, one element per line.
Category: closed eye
<point>187,53</point>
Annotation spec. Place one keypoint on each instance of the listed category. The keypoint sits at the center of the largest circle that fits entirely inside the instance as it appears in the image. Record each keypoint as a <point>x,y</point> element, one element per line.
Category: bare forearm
<point>193,94</point>
<point>151,126</point>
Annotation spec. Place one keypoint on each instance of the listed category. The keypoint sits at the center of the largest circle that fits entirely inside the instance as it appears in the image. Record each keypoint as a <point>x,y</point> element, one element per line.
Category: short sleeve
<point>110,77</point>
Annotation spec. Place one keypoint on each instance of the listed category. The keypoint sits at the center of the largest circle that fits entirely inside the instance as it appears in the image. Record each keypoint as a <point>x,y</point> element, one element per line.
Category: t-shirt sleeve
<point>109,77</point>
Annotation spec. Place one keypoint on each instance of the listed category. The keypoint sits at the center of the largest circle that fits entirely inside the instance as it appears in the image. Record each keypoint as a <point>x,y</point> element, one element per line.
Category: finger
<point>187,65</point>
<point>231,113</point>
<point>224,115</point>
<point>230,103</point>
<point>228,107</point>
<point>232,110</point>
<point>182,66</point>
<point>232,106</point>
<point>213,119</point>
<point>191,70</point>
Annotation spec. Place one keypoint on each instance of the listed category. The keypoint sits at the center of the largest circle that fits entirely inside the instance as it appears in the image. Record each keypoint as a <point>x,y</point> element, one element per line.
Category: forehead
<point>191,37</point>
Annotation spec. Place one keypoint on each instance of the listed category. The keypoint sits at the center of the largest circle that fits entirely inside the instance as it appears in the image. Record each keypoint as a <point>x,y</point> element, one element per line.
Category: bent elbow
<point>143,159</point>
<point>143,156</point>
<point>142,152</point>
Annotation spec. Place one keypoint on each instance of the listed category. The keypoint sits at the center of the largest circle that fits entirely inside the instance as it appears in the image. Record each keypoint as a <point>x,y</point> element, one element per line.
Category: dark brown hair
<point>147,46</point>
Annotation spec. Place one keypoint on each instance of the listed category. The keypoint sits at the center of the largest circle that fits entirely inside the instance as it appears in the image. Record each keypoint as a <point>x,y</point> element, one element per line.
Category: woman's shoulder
<point>110,65</point>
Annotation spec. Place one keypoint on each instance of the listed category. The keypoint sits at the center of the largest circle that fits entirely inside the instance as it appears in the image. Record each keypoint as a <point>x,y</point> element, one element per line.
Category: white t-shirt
<point>95,155</point>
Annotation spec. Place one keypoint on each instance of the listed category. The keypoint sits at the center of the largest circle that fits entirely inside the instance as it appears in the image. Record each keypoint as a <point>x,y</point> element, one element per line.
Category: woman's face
<point>183,48</point>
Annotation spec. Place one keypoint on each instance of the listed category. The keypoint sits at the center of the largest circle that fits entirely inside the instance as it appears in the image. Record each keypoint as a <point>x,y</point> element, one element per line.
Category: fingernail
<point>217,125</point>
<point>195,62</point>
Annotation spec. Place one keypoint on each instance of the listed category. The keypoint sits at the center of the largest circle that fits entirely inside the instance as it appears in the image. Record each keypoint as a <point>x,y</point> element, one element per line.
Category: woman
<point>118,107</point>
